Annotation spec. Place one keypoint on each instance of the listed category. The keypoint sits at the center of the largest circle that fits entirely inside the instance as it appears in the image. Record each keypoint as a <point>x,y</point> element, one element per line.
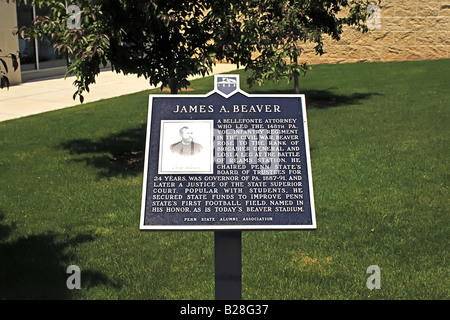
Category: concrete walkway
<point>37,96</point>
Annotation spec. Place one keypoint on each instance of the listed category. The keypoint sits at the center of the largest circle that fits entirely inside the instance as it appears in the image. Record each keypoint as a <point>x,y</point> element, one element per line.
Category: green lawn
<point>71,182</point>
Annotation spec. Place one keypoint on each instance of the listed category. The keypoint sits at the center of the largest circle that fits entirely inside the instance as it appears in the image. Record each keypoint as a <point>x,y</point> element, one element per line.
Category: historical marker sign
<point>227,160</point>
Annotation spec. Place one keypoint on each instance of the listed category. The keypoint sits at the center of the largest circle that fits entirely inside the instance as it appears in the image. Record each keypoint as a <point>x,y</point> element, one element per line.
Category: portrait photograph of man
<point>186,146</point>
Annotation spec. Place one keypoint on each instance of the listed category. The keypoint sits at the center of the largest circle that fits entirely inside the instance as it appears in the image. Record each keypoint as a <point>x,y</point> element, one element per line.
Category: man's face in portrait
<point>186,135</point>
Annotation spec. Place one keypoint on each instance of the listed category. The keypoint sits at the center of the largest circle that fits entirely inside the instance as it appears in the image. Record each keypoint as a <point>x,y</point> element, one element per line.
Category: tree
<point>166,41</point>
<point>266,36</point>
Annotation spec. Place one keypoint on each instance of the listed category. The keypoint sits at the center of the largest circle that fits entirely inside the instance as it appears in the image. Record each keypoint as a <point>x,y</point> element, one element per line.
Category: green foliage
<point>4,81</point>
<point>166,41</point>
<point>266,36</point>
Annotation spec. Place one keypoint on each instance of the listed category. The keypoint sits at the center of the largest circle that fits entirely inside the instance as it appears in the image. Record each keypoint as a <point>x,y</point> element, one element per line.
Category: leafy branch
<point>266,36</point>
<point>4,80</point>
<point>165,41</point>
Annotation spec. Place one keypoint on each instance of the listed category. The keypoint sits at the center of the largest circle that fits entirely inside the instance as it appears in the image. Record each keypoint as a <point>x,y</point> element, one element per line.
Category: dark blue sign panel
<point>227,160</point>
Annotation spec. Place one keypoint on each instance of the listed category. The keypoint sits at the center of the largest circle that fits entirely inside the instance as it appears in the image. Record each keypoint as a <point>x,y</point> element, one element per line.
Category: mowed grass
<point>70,192</point>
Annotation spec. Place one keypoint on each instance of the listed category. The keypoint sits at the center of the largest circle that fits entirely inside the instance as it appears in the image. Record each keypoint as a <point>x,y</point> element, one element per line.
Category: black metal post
<point>228,265</point>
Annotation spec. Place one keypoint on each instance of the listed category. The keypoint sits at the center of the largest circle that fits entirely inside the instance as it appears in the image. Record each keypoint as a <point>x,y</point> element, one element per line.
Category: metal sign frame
<point>226,94</point>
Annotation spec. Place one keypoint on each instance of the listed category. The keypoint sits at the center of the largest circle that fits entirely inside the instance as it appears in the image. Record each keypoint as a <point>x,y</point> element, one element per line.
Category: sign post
<point>227,161</point>
<point>228,265</point>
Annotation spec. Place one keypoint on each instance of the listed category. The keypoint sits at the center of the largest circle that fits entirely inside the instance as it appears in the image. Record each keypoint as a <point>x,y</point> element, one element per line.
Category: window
<point>36,54</point>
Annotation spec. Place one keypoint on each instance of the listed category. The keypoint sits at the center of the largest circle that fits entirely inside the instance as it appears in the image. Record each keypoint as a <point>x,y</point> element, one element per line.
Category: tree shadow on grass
<point>322,99</point>
<point>34,267</point>
<point>120,154</point>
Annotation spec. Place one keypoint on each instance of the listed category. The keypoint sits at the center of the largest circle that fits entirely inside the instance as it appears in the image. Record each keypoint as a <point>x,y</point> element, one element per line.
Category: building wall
<point>405,30</point>
<point>8,42</point>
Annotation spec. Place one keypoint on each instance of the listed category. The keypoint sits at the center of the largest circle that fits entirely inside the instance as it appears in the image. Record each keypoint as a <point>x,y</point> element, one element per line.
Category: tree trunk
<point>173,85</point>
<point>296,75</point>
<point>296,83</point>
